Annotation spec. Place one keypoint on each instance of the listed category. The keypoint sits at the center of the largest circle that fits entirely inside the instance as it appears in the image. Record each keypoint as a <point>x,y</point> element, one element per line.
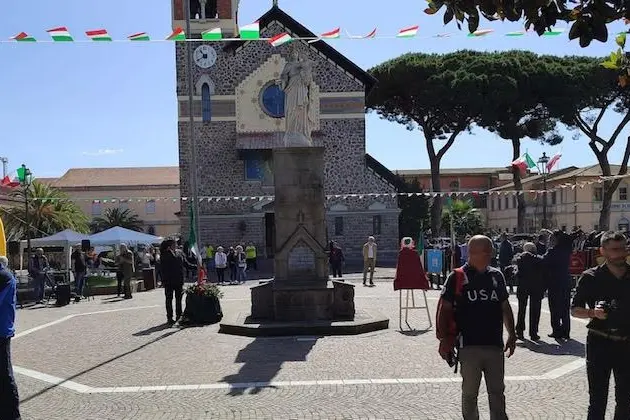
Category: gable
<point>296,29</point>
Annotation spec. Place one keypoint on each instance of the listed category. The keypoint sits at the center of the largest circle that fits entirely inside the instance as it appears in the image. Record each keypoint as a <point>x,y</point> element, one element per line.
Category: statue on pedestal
<point>297,83</point>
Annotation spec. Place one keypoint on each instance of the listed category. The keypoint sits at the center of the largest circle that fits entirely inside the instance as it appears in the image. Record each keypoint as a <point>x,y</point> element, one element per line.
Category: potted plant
<point>203,304</point>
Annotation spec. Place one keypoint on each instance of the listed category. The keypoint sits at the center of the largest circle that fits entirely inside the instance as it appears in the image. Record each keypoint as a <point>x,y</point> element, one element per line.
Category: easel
<point>406,307</point>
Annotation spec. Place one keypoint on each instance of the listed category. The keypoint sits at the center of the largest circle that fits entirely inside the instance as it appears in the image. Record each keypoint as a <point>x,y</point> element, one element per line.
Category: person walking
<point>220,262</point>
<point>173,264</point>
<point>369,260</point>
<point>335,258</point>
<point>602,296</point>
<point>126,268</point>
<point>9,398</point>
<point>37,269</point>
<point>473,310</point>
<point>506,255</point>
<point>531,286</point>
<point>556,263</point>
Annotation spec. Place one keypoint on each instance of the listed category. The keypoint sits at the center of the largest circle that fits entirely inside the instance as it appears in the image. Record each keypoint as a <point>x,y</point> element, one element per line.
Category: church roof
<point>277,14</point>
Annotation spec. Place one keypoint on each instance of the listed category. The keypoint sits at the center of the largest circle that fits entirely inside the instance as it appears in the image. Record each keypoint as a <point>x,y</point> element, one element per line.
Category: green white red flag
<point>280,39</point>
<point>177,35</point>
<point>409,32</point>
<point>141,36</point>
<point>251,31</point>
<point>213,34</point>
<point>334,34</point>
<point>10,181</point>
<point>99,35</point>
<point>552,162</point>
<point>60,34</point>
<point>23,37</point>
<point>524,163</point>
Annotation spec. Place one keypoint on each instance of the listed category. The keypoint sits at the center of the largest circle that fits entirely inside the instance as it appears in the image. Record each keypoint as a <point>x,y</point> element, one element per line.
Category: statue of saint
<point>297,83</point>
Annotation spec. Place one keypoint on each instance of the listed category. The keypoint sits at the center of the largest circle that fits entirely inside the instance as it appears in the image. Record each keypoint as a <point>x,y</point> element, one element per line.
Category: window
<point>338,226</point>
<point>96,208</point>
<point>206,103</point>
<point>272,100</point>
<point>623,193</point>
<point>554,199</point>
<point>492,204</point>
<point>514,202</point>
<point>507,203</point>
<point>376,225</point>
<point>254,169</point>
<point>149,208</point>
<point>598,194</point>
<point>499,203</point>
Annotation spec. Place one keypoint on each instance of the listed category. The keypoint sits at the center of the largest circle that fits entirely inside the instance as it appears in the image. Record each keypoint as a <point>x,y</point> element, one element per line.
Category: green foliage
<point>49,211</point>
<point>467,220</point>
<point>115,216</point>
<point>589,18</point>
<point>414,211</point>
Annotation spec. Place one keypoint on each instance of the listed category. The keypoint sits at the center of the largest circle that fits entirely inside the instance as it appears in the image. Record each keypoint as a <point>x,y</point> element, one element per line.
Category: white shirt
<point>220,259</point>
<point>370,250</point>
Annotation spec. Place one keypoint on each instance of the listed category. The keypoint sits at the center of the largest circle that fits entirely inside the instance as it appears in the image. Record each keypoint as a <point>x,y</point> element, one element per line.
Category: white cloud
<point>103,152</point>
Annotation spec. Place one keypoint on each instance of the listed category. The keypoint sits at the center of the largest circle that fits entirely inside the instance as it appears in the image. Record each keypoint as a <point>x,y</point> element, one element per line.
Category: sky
<point>114,104</point>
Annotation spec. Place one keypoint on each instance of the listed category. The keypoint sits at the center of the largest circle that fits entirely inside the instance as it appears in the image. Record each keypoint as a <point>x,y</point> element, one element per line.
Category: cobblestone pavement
<point>112,359</point>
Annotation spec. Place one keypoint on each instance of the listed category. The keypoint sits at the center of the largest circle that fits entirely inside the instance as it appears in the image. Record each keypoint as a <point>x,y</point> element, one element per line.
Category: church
<point>238,119</point>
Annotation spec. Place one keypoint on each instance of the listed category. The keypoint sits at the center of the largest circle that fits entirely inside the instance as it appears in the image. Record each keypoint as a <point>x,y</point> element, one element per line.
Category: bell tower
<point>206,14</point>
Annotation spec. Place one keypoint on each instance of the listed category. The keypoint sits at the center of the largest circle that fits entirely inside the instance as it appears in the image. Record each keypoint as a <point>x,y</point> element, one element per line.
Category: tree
<point>433,93</point>
<point>413,217</point>
<point>467,220</point>
<point>49,211</point>
<point>581,99</point>
<point>115,216</point>
<point>589,17</point>
<point>514,110</point>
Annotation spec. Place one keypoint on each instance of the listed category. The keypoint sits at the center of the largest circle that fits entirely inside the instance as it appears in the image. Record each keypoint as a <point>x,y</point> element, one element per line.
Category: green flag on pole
<point>21,173</point>
<point>192,236</point>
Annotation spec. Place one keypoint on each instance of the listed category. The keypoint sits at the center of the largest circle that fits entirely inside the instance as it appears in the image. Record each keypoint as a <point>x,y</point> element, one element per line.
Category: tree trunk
<point>604,214</point>
<point>436,206</point>
<point>518,186</point>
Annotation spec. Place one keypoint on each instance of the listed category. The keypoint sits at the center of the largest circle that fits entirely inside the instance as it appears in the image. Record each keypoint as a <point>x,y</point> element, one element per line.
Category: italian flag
<point>552,162</point>
<point>60,34</point>
<point>10,181</point>
<point>280,39</point>
<point>408,32</point>
<point>481,32</point>
<point>251,31</point>
<point>212,34</point>
<point>192,236</point>
<point>177,35</point>
<point>142,36</point>
<point>516,33</point>
<point>524,163</point>
<point>23,37</point>
<point>98,35</point>
<point>370,35</point>
<point>554,32</point>
<point>334,34</point>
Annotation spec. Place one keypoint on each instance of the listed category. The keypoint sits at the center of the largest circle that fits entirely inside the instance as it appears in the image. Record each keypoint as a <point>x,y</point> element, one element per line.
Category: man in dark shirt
<point>9,400</point>
<point>603,296</point>
<point>541,245</point>
<point>79,265</point>
<point>481,309</point>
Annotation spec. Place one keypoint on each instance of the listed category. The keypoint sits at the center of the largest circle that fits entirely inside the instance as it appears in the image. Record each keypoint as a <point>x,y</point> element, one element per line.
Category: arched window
<point>206,103</point>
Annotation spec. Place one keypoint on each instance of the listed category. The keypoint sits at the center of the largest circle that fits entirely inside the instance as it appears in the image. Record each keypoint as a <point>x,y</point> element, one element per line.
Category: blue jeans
<point>9,399</point>
<point>242,275</point>
<point>39,284</point>
<point>79,282</point>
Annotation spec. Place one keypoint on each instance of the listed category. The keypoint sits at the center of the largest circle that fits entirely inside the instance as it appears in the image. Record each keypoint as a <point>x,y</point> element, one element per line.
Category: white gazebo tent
<point>119,235</point>
<point>65,239</point>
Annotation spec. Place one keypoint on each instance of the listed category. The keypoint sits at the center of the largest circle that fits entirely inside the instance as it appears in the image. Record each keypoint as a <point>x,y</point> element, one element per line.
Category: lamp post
<point>542,169</point>
<point>25,181</point>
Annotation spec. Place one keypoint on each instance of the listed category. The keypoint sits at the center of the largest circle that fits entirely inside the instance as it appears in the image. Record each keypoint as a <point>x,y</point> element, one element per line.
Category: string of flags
<point>250,32</point>
<point>360,196</point>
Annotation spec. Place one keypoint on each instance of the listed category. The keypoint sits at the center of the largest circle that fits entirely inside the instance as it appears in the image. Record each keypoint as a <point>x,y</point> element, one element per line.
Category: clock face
<point>205,56</point>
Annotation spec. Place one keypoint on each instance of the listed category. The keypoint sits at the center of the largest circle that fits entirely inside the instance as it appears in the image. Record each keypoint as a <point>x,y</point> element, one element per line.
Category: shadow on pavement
<point>106,362</point>
<point>414,333</point>
<point>152,330</point>
<point>565,348</point>
<point>262,360</point>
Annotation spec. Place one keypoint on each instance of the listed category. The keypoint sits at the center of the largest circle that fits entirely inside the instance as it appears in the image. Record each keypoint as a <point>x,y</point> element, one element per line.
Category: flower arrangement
<point>205,289</point>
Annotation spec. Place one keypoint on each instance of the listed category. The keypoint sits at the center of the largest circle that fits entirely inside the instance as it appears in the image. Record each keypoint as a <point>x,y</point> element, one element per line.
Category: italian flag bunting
<point>408,32</point>
<point>481,32</point>
<point>214,34</point>
<point>554,32</point>
<point>177,35</point>
<point>60,34</point>
<point>23,37</point>
<point>552,162</point>
<point>524,163</point>
<point>370,35</point>
<point>280,39</point>
<point>251,31</point>
<point>142,36</point>
<point>99,35</point>
<point>334,34</point>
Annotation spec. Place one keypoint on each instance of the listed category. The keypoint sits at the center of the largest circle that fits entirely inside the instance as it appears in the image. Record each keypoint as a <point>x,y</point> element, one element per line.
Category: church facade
<point>238,119</point>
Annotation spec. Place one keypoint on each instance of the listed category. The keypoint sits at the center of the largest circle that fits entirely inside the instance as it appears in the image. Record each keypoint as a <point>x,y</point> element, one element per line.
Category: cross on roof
<point>275,3</point>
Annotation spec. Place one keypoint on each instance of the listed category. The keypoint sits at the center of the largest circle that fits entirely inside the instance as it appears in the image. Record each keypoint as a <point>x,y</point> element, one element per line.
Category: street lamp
<point>542,169</point>
<point>26,179</point>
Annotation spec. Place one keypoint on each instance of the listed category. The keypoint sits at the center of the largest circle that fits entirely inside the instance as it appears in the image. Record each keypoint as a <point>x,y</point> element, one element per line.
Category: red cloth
<point>409,271</point>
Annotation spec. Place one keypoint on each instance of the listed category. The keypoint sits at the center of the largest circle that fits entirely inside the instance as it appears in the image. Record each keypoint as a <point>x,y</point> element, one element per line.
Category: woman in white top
<point>220,262</point>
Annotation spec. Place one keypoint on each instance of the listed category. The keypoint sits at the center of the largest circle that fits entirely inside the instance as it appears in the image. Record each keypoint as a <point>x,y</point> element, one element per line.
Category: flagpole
<point>191,131</point>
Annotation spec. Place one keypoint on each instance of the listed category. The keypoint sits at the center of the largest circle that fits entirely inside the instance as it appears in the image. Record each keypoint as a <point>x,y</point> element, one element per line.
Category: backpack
<point>452,331</point>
